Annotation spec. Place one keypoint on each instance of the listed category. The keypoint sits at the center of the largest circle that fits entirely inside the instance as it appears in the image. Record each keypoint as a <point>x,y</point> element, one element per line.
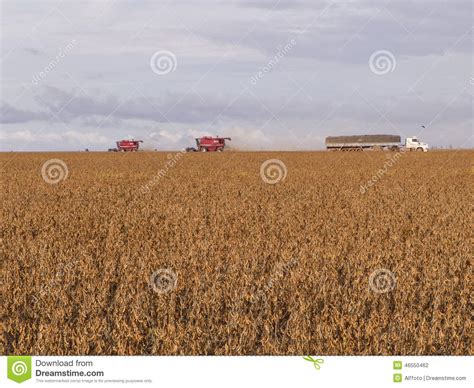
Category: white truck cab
<point>413,144</point>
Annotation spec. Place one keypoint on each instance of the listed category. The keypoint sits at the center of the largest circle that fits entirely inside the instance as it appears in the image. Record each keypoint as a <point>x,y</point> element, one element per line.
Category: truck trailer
<point>372,142</point>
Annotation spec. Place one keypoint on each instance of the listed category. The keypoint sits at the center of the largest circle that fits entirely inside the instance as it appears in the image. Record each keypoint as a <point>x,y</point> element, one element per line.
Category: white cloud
<point>72,137</point>
<point>104,89</point>
<point>20,136</point>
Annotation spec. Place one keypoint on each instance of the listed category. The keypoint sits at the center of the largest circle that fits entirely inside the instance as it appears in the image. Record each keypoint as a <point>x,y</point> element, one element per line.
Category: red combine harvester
<point>209,144</point>
<point>127,145</point>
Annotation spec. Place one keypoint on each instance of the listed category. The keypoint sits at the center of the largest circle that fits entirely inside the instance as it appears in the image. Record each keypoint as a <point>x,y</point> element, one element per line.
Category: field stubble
<point>260,268</point>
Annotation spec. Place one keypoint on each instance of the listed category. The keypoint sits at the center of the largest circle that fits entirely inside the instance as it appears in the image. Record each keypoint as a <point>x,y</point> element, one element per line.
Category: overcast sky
<point>271,74</point>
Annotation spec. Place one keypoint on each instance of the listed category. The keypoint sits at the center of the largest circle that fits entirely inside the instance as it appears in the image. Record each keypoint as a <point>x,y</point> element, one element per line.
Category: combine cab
<point>127,145</point>
<point>209,144</point>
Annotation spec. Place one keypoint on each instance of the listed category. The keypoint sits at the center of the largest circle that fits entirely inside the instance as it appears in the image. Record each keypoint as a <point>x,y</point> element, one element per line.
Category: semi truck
<point>373,142</point>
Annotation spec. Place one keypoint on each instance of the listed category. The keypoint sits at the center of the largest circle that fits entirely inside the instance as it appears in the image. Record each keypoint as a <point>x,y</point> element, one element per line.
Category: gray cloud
<point>350,32</point>
<point>278,5</point>
<point>178,108</point>
<point>34,51</point>
<point>194,109</point>
<point>104,86</point>
<point>10,115</point>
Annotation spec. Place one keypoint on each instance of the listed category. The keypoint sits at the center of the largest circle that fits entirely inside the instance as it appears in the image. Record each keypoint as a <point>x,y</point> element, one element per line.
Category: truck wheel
<point>203,149</point>
<point>419,149</point>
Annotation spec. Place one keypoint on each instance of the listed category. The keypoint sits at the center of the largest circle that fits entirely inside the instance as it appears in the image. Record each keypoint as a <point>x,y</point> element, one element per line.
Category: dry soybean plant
<point>214,260</point>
